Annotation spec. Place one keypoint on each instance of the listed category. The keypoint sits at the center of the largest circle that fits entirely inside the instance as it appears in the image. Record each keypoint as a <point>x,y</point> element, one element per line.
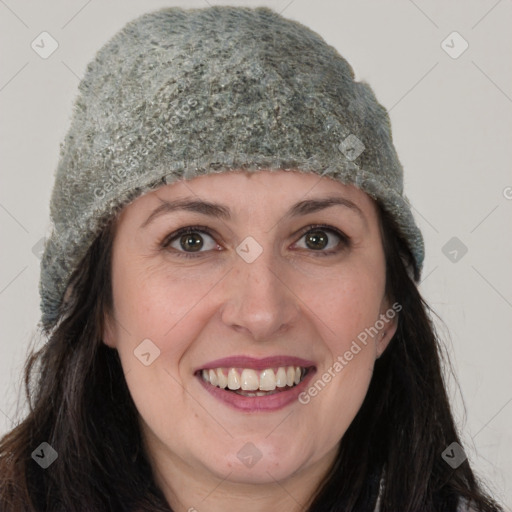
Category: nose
<point>260,300</point>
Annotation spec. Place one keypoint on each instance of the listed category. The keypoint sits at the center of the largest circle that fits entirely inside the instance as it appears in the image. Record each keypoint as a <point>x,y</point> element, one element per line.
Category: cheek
<point>145,299</point>
<point>346,302</point>
<point>159,303</point>
<point>347,312</point>
<point>152,303</point>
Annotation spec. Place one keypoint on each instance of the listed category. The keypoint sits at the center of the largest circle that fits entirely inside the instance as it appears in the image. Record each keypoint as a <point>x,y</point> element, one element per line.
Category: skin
<point>289,300</point>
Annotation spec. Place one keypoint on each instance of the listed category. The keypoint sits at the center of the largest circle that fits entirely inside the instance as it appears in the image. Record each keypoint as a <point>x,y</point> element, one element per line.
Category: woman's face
<point>256,298</point>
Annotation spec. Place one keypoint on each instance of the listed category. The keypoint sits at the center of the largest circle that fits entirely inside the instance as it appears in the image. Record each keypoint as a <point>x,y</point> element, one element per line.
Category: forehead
<point>261,191</point>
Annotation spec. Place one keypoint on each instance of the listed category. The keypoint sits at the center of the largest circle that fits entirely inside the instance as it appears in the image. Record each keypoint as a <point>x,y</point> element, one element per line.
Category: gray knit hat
<point>179,93</point>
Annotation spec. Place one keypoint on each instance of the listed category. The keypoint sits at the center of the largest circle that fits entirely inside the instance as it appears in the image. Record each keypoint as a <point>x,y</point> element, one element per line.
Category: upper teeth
<point>248,379</point>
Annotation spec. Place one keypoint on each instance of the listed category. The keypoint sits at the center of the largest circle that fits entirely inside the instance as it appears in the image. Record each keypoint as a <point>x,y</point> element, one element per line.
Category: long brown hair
<point>80,404</point>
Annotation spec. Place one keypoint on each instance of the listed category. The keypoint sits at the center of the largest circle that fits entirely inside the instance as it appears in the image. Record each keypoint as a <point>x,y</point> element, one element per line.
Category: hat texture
<point>180,93</point>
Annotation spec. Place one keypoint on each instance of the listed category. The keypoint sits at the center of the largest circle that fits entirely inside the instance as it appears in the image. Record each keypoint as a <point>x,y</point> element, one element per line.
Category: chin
<point>249,465</point>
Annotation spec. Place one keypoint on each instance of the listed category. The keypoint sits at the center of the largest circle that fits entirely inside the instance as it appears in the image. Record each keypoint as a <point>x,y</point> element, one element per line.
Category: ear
<point>109,337</point>
<point>389,318</point>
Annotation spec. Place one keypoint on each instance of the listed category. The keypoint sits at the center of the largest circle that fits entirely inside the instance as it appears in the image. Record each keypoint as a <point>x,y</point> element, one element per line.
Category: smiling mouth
<point>250,382</point>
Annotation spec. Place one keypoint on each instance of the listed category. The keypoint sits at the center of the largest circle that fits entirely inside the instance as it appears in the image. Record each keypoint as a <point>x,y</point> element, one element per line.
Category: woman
<point>230,290</point>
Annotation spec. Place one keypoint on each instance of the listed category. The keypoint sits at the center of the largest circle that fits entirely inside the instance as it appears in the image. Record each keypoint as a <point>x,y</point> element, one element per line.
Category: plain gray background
<point>451,116</point>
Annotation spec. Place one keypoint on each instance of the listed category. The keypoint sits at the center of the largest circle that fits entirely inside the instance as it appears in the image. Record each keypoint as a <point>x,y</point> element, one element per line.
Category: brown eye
<point>325,240</point>
<point>316,240</point>
<point>191,241</point>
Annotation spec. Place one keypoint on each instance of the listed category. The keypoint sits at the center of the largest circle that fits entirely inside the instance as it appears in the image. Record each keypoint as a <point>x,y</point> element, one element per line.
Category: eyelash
<point>344,243</point>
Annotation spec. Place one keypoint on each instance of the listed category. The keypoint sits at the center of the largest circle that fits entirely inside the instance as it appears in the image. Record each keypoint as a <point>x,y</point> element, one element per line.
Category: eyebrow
<point>220,211</point>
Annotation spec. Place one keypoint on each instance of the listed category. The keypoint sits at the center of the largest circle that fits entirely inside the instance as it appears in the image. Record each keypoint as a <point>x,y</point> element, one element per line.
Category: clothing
<point>182,93</point>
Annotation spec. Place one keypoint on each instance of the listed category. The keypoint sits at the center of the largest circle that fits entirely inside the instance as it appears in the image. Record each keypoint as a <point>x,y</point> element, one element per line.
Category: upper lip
<point>256,364</point>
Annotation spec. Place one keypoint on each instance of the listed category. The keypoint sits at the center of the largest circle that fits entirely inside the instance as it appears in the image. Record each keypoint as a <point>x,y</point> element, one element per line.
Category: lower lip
<point>259,403</point>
